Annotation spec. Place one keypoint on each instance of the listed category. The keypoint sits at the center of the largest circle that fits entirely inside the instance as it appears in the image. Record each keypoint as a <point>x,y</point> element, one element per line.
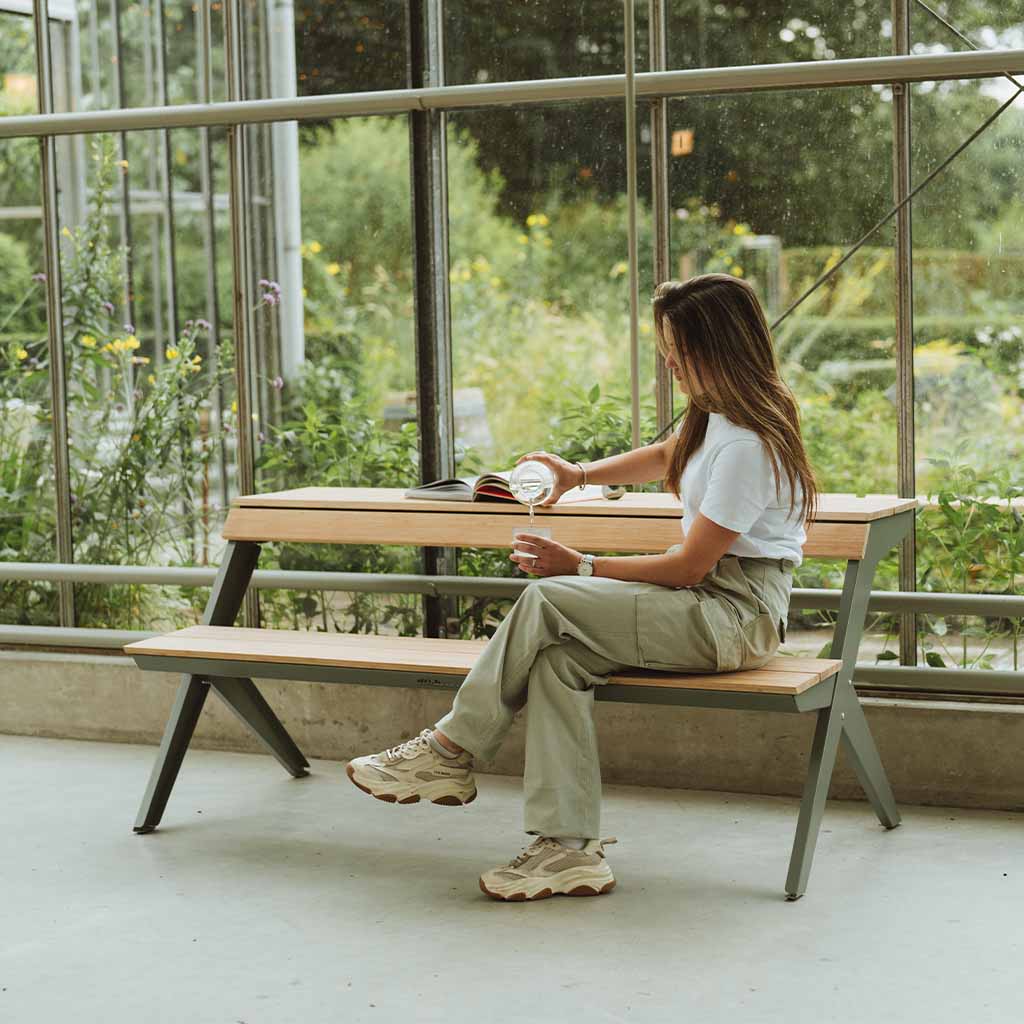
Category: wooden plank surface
<point>838,507</point>
<point>483,529</point>
<point>445,657</point>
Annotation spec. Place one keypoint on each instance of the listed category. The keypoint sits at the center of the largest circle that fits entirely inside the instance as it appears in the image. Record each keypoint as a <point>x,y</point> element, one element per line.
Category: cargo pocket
<point>683,630</point>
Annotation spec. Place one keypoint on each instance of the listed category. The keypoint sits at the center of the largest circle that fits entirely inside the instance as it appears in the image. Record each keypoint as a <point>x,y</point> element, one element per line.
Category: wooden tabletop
<point>848,508</point>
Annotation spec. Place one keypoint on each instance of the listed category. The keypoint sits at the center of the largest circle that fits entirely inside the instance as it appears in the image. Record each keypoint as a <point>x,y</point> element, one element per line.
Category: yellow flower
<point>466,275</point>
<point>531,220</point>
<point>619,269</point>
<point>171,353</point>
<point>117,344</point>
<point>523,239</point>
<point>740,229</point>
<point>123,164</point>
<point>234,405</point>
<point>315,247</point>
<point>737,270</point>
<point>480,265</point>
<point>542,220</point>
<point>333,269</point>
<point>22,354</point>
<point>136,437</point>
<point>143,359</point>
<point>108,347</point>
<point>151,379</point>
<point>131,342</point>
<point>304,293</point>
<point>65,232</point>
<point>195,367</point>
<point>88,341</point>
<point>197,358</point>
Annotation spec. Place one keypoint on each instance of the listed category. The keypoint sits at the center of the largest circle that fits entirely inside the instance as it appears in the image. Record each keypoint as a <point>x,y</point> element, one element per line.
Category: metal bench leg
<point>229,588</point>
<point>249,705</point>
<point>812,804</point>
<point>177,733</point>
<point>860,747</point>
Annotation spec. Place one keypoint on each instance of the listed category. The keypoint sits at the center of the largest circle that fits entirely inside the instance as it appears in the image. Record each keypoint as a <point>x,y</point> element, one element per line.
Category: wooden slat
<point>488,529</point>
<point>833,507</point>
<point>447,657</point>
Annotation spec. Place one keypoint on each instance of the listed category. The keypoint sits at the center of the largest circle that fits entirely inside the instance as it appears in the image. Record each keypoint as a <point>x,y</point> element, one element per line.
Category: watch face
<point>585,567</point>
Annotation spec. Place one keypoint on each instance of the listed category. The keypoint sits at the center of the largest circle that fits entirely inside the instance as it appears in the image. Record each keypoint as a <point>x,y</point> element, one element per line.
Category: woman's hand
<point>553,559</point>
<point>567,474</point>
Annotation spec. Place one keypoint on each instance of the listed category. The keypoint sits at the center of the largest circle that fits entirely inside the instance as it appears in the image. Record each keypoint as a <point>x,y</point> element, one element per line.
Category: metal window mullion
<point>659,199</point>
<point>905,439</point>
<point>238,198</point>
<point>629,18</point>
<point>209,229</point>
<point>167,179</point>
<point>431,296</point>
<point>649,85</point>
<point>124,214</point>
<point>54,316</point>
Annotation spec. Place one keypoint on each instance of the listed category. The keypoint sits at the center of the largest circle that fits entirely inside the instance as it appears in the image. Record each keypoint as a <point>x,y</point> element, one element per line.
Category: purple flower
<point>188,324</point>
<point>40,277</point>
<point>278,382</point>
<point>128,328</point>
<point>263,282</point>
<point>109,307</point>
<point>203,325</point>
<point>261,437</point>
<point>270,298</point>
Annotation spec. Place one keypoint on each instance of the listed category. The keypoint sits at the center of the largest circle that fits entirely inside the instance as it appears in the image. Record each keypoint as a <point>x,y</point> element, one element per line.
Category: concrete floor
<point>267,900</point>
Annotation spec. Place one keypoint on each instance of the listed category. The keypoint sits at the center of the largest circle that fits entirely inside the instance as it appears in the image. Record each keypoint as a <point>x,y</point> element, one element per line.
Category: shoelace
<point>409,748</point>
<point>535,847</point>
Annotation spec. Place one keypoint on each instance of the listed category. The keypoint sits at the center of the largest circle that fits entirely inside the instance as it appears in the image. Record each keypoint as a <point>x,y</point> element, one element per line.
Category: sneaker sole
<point>390,798</point>
<point>521,897</point>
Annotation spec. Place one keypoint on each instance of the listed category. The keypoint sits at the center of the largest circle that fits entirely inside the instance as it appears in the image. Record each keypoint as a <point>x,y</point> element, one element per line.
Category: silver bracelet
<point>583,470</point>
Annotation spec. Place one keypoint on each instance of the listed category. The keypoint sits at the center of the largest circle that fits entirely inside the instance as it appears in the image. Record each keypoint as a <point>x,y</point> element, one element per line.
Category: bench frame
<point>834,699</point>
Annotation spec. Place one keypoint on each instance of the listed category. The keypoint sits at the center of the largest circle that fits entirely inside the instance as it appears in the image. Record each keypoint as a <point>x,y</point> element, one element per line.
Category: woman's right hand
<point>567,474</point>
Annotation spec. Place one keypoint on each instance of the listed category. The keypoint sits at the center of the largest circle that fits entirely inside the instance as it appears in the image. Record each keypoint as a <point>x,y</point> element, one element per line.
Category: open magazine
<point>490,487</point>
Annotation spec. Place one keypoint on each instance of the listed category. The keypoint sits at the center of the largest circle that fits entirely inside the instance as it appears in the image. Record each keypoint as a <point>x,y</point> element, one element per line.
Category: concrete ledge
<point>954,754</point>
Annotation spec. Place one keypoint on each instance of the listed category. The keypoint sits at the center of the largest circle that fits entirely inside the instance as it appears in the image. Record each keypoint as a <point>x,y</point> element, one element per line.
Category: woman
<point>717,602</point>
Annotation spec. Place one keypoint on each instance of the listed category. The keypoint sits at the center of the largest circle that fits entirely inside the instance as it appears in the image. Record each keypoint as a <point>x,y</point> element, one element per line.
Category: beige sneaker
<point>546,867</point>
<point>413,771</point>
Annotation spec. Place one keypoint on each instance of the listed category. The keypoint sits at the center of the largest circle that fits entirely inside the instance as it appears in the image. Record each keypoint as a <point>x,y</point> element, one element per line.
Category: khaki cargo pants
<point>566,634</point>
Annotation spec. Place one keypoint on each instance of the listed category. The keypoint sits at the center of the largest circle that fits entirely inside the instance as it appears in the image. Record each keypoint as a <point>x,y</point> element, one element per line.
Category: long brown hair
<point>717,330</point>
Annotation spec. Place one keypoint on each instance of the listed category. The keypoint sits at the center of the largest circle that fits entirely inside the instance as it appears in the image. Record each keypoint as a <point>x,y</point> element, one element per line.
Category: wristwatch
<point>585,566</point>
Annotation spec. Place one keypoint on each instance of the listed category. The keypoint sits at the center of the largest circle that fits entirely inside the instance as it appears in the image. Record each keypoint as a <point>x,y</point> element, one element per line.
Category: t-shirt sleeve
<point>741,485</point>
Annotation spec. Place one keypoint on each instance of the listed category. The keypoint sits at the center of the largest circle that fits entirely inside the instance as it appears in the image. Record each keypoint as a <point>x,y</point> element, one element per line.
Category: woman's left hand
<point>553,559</point>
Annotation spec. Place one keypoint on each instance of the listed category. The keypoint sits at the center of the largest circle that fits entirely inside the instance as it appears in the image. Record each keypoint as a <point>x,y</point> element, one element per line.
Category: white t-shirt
<point>729,479</point>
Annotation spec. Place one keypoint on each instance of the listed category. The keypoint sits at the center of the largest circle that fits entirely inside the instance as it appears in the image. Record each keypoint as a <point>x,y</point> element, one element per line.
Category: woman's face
<point>679,372</point>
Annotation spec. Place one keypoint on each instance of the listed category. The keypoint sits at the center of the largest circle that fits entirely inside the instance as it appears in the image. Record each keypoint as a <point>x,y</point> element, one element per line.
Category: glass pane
<point>27,490</point>
<point>988,24</point>
<point>781,224</point>
<point>485,42</point>
<point>147,373</point>
<point>708,34</point>
<point>539,283</point>
<point>349,48</point>
<point>331,253</point>
<point>968,359</point>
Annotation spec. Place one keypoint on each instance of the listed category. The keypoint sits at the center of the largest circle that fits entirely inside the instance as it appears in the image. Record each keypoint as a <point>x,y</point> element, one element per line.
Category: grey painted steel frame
<point>239,204</point>
<point>629,29</point>
<point>659,202</point>
<point>240,695</point>
<point>428,171</point>
<point>835,701</point>
<point>54,314</point>
<point>904,263</point>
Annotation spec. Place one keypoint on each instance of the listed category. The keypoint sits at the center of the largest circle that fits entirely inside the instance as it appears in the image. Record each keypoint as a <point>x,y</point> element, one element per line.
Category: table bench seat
<point>235,649</point>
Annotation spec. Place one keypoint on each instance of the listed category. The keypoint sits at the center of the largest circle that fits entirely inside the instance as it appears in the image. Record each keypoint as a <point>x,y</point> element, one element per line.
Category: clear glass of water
<point>540,531</point>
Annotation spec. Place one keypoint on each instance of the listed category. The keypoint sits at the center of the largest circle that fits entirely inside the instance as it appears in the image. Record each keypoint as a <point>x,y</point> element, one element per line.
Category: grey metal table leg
<point>812,803</point>
<point>860,746</point>
<point>249,705</point>
<point>225,599</point>
<point>177,733</point>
